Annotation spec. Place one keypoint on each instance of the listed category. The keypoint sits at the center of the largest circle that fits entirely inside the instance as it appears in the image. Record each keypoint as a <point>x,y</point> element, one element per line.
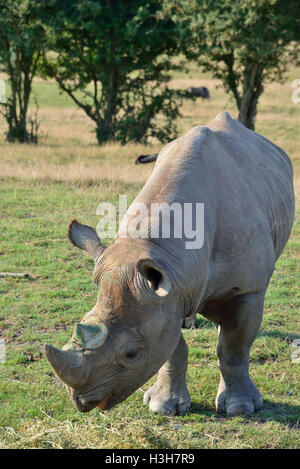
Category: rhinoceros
<point>148,285</point>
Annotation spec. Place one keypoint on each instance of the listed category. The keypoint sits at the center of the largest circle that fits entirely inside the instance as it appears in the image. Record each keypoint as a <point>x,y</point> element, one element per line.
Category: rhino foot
<point>169,395</point>
<point>239,403</point>
<point>163,401</point>
<point>237,394</point>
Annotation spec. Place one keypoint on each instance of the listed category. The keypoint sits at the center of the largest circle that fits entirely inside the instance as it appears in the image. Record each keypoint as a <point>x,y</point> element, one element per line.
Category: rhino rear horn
<point>69,365</point>
<point>90,336</point>
<point>86,238</point>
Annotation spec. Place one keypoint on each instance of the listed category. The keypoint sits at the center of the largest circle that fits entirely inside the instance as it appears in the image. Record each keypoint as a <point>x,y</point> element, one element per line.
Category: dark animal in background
<point>146,158</point>
<point>199,92</point>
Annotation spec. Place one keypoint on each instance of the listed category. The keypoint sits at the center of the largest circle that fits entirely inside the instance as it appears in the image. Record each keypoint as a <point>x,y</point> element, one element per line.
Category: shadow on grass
<point>282,413</point>
<point>199,410</point>
<point>279,335</point>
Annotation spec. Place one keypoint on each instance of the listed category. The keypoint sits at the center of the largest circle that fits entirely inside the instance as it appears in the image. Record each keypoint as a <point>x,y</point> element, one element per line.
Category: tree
<point>22,38</point>
<point>112,57</point>
<point>244,43</point>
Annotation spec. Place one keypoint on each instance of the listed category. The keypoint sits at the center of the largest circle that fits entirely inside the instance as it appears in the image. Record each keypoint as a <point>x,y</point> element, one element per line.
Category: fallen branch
<point>14,274</point>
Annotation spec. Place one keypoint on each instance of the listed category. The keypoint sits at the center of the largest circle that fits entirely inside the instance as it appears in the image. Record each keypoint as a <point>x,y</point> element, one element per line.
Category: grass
<point>67,175</point>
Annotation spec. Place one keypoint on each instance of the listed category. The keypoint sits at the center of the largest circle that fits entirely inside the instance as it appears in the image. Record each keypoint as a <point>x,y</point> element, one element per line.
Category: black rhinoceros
<point>149,284</point>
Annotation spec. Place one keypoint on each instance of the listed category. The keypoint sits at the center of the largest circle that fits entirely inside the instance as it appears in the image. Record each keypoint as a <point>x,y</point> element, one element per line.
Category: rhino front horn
<point>68,365</point>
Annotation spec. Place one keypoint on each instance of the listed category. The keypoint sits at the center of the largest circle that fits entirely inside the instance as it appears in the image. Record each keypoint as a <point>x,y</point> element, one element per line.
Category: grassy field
<point>67,175</point>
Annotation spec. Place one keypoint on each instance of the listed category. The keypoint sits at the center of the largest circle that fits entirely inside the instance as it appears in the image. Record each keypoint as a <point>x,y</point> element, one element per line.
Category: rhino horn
<point>90,336</point>
<point>69,365</point>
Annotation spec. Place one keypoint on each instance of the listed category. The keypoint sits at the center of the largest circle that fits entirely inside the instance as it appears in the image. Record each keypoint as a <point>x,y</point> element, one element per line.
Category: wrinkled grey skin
<point>149,286</point>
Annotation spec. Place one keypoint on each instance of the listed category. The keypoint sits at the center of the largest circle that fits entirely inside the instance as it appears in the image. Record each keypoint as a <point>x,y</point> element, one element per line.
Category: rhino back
<point>245,183</point>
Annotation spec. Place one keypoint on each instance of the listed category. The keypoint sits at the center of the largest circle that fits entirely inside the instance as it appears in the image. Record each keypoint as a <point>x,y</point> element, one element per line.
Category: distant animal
<point>150,284</point>
<point>146,158</point>
<point>199,92</point>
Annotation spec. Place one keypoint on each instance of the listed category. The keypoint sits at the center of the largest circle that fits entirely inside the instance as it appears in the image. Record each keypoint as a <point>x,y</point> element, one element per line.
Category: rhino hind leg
<point>169,395</point>
<point>189,322</point>
<point>237,394</point>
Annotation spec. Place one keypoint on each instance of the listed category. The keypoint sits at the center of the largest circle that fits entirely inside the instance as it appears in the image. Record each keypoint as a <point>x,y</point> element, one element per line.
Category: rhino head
<point>129,334</point>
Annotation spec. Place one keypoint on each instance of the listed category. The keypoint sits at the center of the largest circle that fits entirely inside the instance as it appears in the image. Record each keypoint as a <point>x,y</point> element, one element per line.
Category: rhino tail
<point>146,158</point>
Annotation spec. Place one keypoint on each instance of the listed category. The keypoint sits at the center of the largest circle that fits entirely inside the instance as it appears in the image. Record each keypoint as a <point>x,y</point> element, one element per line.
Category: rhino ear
<point>86,238</point>
<point>156,276</point>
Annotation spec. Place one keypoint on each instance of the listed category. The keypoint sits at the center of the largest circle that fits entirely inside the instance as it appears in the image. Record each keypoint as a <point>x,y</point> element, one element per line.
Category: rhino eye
<point>131,354</point>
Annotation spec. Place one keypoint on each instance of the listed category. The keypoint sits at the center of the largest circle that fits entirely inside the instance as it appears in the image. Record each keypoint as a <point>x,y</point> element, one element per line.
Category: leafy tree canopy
<point>117,54</point>
<point>244,43</point>
<point>22,39</point>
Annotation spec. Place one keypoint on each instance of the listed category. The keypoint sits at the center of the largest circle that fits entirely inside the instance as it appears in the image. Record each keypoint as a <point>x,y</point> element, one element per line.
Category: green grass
<point>39,194</point>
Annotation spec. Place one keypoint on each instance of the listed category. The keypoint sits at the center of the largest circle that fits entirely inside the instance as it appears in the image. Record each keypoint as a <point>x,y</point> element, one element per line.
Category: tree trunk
<point>17,107</point>
<point>247,112</point>
<point>108,126</point>
<point>252,89</point>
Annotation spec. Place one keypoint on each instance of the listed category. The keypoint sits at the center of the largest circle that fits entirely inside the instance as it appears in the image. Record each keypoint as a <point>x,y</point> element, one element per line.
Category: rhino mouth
<point>107,401</point>
<point>84,405</point>
<point>103,404</point>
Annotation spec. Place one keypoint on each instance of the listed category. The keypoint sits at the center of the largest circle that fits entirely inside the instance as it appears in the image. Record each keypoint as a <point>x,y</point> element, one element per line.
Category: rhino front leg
<point>237,395</point>
<point>169,395</point>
